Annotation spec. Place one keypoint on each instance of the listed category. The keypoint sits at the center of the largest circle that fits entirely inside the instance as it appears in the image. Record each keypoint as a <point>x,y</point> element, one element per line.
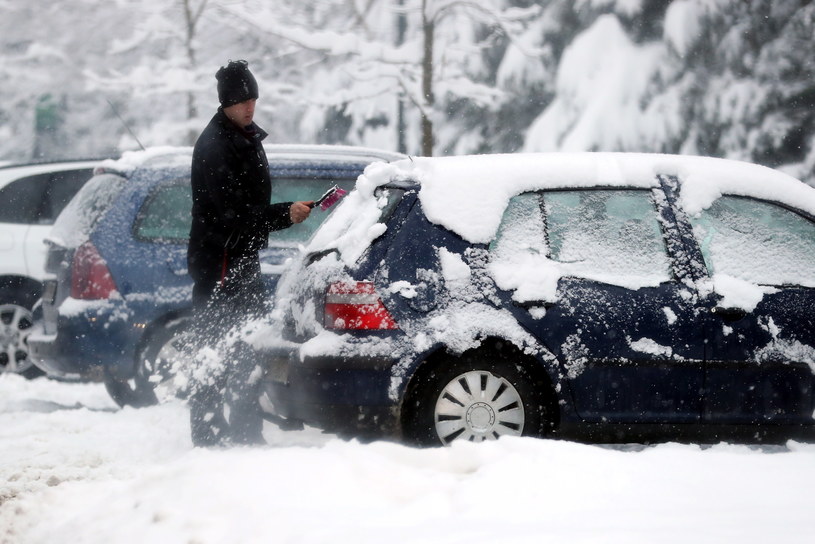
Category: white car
<point>31,197</point>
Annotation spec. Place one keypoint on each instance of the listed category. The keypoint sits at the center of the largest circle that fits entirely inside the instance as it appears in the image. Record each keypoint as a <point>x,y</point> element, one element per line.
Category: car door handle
<point>526,305</point>
<point>729,314</point>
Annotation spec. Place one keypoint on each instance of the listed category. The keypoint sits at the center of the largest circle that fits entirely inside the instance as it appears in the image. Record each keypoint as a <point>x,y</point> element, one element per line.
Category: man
<point>231,220</point>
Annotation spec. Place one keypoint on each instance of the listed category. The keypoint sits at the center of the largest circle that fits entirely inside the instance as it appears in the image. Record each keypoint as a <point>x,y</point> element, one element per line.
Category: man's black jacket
<point>231,190</point>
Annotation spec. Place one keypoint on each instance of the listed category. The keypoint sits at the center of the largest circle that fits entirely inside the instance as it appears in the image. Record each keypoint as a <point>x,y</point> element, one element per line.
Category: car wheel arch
<point>136,390</point>
<point>541,368</point>
<point>155,327</point>
<point>26,287</point>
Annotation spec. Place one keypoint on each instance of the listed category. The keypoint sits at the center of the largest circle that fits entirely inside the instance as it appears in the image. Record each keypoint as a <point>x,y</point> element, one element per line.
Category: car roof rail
<point>334,151</point>
<point>45,162</point>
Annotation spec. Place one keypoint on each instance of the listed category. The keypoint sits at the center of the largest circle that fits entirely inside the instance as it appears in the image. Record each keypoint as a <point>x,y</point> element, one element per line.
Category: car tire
<point>153,382</point>
<point>16,321</point>
<point>474,397</point>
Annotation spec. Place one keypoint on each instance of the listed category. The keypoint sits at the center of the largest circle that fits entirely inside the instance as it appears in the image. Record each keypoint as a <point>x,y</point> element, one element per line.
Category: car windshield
<point>75,222</point>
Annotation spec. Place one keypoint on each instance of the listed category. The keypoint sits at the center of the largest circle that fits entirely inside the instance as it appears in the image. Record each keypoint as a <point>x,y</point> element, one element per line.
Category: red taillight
<point>356,305</point>
<point>90,277</point>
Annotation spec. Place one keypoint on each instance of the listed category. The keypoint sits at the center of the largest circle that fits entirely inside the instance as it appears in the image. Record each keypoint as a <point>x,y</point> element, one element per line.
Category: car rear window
<point>61,189</point>
<point>357,222</point>
<point>293,190</point>
<point>75,222</point>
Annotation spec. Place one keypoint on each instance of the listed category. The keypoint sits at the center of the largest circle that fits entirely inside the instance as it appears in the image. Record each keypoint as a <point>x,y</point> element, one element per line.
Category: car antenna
<point>115,111</point>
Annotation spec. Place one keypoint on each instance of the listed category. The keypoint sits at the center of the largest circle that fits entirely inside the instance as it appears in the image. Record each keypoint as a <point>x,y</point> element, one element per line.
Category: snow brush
<point>329,198</point>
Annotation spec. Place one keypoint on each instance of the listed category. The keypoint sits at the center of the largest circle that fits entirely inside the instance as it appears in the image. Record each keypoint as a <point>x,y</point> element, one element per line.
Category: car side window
<point>166,216</point>
<point>613,233</point>
<point>756,241</point>
<point>612,236</point>
<point>21,200</point>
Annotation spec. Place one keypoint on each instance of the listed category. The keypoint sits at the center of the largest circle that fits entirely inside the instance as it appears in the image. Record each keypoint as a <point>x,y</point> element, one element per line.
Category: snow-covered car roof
<point>468,194</point>
<point>170,156</point>
<point>333,152</point>
<point>167,156</point>
<point>14,171</point>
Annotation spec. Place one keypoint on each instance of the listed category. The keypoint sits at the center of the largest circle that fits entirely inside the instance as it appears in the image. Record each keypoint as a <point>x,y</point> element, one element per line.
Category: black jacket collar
<point>255,133</point>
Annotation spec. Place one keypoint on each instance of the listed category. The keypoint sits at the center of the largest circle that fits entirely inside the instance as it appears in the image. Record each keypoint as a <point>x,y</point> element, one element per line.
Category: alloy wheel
<point>15,326</point>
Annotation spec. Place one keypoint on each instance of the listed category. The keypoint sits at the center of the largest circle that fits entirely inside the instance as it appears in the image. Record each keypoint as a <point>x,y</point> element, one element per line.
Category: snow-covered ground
<point>75,468</point>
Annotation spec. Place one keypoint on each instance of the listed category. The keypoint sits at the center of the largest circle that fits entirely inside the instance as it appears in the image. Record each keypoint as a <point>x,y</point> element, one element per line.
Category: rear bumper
<point>86,346</point>
<point>333,393</point>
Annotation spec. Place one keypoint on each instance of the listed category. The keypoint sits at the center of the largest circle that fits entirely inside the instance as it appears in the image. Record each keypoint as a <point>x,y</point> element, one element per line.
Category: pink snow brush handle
<point>329,198</point>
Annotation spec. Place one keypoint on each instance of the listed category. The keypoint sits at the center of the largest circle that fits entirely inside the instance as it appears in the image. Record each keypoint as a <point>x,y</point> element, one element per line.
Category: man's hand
<point>299,211</point>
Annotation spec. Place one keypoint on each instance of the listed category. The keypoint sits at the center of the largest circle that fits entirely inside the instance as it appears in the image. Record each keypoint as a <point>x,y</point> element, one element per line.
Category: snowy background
<point>726,78</point>
<point>77,469</point>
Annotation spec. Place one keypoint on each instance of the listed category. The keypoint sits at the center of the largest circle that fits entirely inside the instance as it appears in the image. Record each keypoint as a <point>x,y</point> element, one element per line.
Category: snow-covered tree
<point>163,68</point>
<point>727,78</point>
<point>45,48</point>
<point>364,64</point>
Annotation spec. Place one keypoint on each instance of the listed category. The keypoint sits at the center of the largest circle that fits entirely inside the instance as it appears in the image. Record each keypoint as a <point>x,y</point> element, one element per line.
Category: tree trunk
<point>401,30</point>
<point>191,21</point>
<point>428,26</point>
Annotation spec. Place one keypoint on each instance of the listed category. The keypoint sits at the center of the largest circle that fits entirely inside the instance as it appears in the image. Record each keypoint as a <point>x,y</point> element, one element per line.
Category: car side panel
<point>628,356</point>
<point>761,367</point>
<point>760,364</point>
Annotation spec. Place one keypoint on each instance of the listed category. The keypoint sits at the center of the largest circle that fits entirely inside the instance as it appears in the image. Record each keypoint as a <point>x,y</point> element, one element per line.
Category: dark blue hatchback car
<point>598,295</point>
<point>117,292</point>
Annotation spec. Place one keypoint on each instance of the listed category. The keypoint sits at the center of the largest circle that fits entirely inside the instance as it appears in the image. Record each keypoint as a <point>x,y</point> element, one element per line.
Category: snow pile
<point>355,224</point>
<point>77,469</point>
<point>737,293</point>
<point>784,348</point>
<point>465,313</point>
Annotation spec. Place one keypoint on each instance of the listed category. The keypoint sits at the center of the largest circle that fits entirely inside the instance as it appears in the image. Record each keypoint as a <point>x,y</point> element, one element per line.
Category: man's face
<point>241,113</point>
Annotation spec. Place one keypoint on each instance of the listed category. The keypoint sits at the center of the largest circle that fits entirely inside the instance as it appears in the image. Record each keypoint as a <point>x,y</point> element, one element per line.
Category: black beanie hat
<point>236,83</point>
